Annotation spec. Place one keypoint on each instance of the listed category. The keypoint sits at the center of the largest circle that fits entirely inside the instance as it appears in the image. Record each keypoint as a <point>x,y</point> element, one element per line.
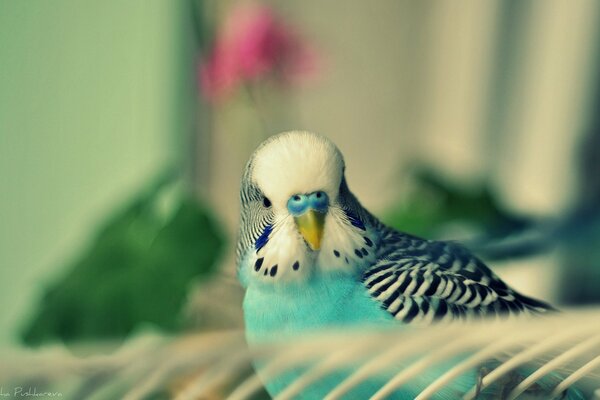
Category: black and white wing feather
<point>418,280</point>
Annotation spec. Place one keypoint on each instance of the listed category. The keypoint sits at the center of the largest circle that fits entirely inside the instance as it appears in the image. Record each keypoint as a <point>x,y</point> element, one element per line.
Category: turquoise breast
<point>274,312</point>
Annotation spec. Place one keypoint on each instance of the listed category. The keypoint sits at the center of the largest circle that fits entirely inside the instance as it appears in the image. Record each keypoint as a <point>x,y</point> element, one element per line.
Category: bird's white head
<point>297,163</point>
<point>298,216</point>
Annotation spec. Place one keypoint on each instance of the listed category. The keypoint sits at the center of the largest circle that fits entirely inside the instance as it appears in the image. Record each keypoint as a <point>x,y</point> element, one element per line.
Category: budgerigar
<point>311,257</point>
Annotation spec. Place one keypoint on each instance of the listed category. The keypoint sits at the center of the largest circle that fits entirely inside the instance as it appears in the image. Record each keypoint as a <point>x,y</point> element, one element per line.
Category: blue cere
<point>319,201</point>
<point>297,204</point>
<point>263,238</point>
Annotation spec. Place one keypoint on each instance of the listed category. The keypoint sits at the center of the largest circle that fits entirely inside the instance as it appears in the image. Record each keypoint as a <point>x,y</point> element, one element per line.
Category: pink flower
<point>253,44</point>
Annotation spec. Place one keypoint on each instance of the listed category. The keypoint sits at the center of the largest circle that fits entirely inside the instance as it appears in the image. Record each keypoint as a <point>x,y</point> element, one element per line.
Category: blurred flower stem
<point>255,97</point>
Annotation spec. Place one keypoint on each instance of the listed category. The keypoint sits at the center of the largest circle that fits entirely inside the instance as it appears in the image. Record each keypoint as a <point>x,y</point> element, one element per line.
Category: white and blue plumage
<point>312,258</point>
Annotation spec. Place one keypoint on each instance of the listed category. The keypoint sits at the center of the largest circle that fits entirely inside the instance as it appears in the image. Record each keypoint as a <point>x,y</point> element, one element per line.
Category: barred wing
<point>418,280</point>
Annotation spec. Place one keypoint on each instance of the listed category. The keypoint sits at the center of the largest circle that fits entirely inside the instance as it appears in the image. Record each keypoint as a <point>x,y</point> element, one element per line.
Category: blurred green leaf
<point>137,271</point>
<point>433,203</point>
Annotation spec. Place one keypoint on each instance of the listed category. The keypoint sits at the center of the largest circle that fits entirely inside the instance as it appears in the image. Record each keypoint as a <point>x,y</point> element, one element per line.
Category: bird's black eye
<point>266,202</point>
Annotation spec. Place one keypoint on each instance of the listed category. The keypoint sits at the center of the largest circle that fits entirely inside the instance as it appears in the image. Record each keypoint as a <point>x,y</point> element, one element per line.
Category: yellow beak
<point>310,224</point>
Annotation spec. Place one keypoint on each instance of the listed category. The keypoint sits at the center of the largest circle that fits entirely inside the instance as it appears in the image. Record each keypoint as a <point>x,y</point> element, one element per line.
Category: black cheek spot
<point>273,271</point>
<point>296,266</point>
<point>368,241</point>
<point>258,263</point>
<point>347,262</point>
<point>364,251</point>
<point>336,253</point>
<point>358,253</point>
<point>266,271</point>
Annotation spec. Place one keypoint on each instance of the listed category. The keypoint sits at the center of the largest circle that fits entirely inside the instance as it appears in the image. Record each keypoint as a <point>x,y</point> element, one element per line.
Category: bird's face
<point>298,216</point>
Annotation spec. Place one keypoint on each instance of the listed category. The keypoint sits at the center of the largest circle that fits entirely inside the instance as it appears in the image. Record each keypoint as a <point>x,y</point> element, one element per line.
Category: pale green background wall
<point>95,97</point>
